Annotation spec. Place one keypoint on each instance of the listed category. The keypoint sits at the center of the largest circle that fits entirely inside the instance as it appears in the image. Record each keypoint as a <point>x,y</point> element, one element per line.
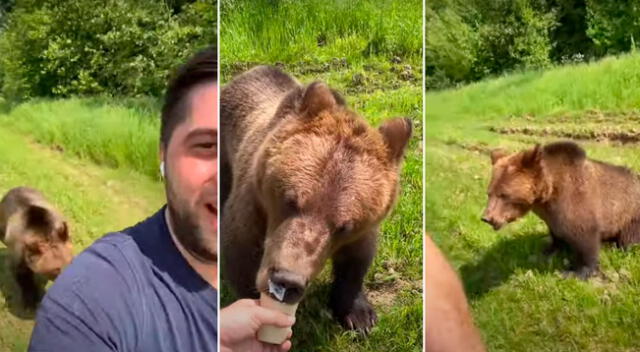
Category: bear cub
<point>583,201</point>
<point>37,240</point>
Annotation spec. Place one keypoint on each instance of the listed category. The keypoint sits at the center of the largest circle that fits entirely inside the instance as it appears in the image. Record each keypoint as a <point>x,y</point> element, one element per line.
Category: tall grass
<point>317,30</point>
<point>118,134</point>
<point>610,84</point>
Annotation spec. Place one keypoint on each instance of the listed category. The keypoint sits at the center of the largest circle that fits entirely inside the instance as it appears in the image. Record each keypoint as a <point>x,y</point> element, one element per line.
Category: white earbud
<point>162,169</point>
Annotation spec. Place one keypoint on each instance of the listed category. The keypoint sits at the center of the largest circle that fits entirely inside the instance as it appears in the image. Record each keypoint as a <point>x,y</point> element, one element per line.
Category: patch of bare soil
<point>386,287</point>
<point>600,135</point>
<point>472,147</point>
<point>590,116</point>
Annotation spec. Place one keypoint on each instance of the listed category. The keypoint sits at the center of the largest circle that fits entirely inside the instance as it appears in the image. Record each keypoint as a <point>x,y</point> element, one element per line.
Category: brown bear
<point>582,201</point>
<point>449,325</point>
<point>303,179</point>
<point>37,240</point>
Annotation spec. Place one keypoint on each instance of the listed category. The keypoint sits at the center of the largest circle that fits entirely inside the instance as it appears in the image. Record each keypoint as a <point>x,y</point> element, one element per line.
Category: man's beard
<point>186,228</point>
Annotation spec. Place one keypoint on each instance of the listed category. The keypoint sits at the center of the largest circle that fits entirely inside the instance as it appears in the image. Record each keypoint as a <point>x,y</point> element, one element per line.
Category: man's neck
<point>208,271</point>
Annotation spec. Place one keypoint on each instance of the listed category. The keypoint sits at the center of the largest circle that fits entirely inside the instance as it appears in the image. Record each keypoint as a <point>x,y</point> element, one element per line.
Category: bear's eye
<point>291,203</point>
<point>343,229</point>
<point>32,251</point>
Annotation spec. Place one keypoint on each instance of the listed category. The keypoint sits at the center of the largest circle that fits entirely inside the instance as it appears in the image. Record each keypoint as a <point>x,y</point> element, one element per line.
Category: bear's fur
<point>303,179</point>
<point>583,201</point>
<point>37,240</point>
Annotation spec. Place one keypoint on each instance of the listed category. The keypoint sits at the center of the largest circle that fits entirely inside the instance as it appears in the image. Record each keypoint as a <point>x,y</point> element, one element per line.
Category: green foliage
<point>471,40</point>
<point>63,48</point>
<point>514,36</point>
<point>570,40</point>
<point>467,41</point>
<point>450,50</point>
<point>614,25</point>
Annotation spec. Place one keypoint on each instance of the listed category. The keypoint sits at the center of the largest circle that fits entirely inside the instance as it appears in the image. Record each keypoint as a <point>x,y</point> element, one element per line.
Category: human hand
<point>240,322</point>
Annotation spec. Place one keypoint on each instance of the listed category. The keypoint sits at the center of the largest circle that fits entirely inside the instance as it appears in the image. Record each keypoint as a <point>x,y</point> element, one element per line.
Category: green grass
<point>118,133</point>
<point>95,199</point>
<point>371,52</point>
<point>316,30</point>
<point>519,300</point>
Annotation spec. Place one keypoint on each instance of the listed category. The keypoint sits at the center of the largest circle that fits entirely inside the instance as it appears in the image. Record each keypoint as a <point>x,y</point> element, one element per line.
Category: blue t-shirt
<point>129,291</point>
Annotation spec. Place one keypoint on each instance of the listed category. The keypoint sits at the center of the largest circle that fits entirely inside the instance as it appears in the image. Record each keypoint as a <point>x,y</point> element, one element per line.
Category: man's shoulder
<point>110,262</point>
<point>97,300</point>
<point>115,255</point>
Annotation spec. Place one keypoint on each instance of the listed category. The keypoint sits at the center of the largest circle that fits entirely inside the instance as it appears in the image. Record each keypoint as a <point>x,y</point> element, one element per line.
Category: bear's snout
<point>293,285</point>
<point>497,225</point>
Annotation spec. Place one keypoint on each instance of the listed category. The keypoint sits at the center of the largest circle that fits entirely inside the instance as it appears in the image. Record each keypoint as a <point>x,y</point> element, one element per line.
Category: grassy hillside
<point>96,199</point>
<point>519,300</point>
<point>370,51</point>
<point>114,132</point>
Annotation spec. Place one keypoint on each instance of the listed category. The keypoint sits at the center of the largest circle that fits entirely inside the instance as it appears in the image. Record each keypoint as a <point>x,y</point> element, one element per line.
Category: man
<point>153,287</point>
<point>449,325</point>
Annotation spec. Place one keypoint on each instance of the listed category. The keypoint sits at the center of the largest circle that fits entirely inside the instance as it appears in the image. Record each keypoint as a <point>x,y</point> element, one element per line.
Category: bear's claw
<point>361,317</point>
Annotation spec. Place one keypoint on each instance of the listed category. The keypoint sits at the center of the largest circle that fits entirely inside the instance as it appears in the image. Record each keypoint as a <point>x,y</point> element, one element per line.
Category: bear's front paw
<point>361,316</point>
<point>550,250</point>
<point>581,273</point>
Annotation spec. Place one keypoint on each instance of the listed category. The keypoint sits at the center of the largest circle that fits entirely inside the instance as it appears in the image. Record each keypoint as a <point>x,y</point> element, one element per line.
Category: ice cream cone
<point>273,334</point>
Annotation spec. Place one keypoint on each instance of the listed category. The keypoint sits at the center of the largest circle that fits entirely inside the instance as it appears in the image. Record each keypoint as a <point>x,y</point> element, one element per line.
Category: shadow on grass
<point>11,291</point>
<point>523,252</point>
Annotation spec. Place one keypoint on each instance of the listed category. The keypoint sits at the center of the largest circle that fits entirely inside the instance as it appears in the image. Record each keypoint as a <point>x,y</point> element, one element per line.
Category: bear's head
<point>47,247</point>
<point>324,179</point>
<point>517,182</point>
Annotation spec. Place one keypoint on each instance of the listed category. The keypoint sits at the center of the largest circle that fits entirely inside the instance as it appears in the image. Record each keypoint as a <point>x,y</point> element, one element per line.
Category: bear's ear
<point>38,218</point>
<point>339,98</point>
<point>63,232</point>
<point>497,154</point>
<point>396,133</point>
<point>317,98</point>
<point>532,157</point>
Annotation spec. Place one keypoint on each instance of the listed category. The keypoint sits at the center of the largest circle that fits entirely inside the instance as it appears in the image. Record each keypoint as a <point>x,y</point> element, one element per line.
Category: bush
<point>451,46</point>
<point>614,25</point>
<point>123,47</point>
<point>470,40</point>
<point>514,36</point>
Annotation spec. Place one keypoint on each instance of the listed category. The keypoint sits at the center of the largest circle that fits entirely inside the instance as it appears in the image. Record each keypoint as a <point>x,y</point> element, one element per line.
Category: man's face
<point>192,174</point>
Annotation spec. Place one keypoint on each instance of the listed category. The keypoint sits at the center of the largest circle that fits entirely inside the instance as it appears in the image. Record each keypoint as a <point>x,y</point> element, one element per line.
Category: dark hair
<point>201,68</point>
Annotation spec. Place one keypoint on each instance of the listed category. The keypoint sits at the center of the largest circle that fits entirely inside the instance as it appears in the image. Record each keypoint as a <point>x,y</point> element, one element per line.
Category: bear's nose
<point>487,220</point>
<point>289,284</point>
